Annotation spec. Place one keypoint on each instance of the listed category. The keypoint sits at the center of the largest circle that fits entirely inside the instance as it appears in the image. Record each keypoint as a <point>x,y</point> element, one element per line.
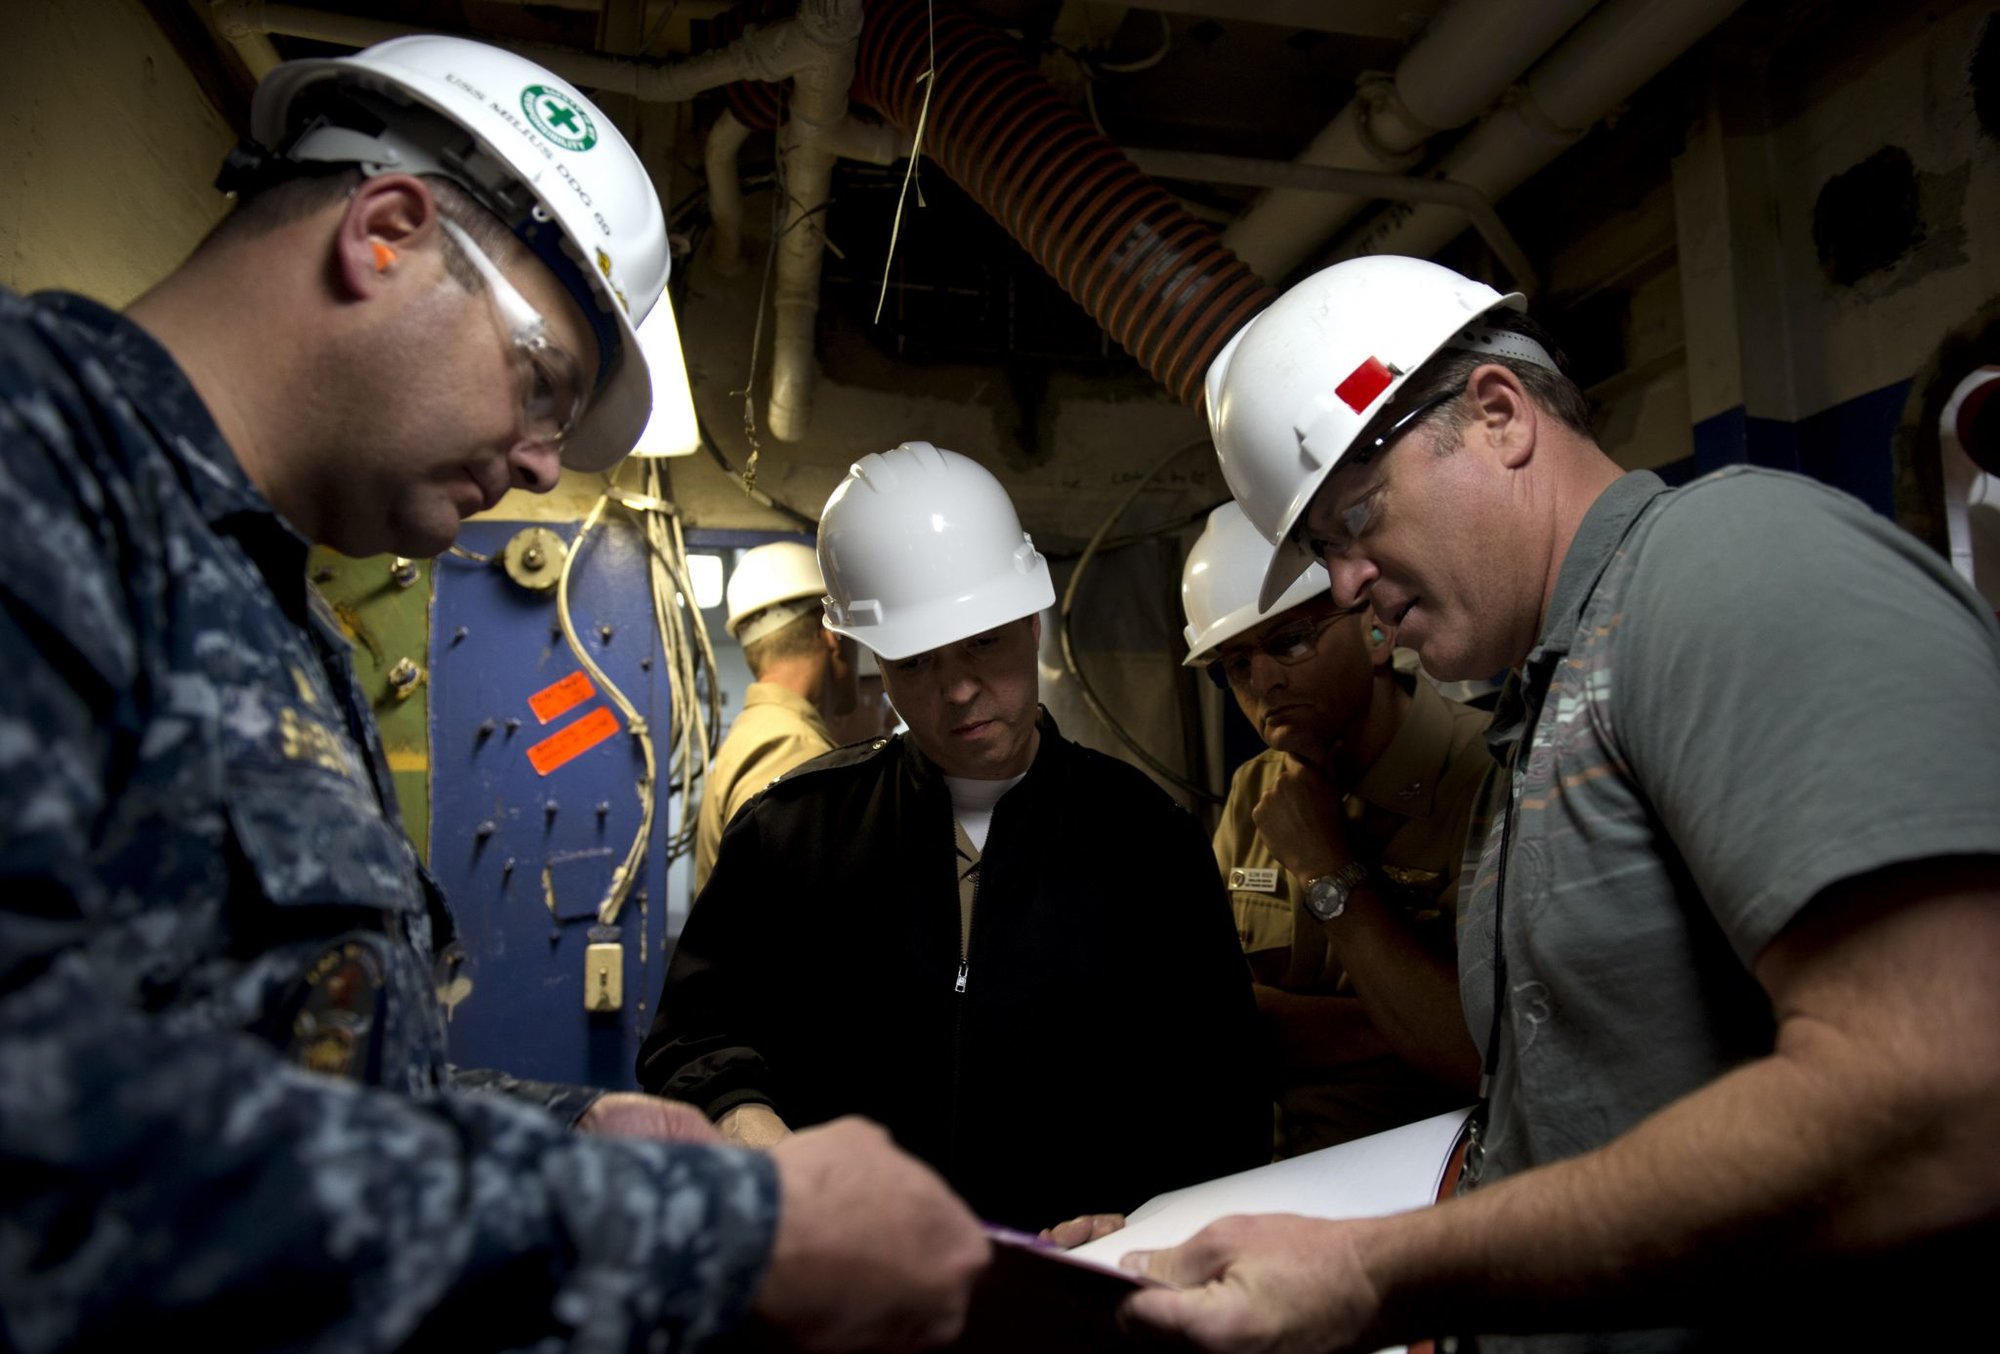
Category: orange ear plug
<point>384,256</point>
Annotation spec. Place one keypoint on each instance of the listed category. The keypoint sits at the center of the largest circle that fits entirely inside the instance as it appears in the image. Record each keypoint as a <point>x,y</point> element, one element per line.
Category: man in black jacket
<point>1011,950</point>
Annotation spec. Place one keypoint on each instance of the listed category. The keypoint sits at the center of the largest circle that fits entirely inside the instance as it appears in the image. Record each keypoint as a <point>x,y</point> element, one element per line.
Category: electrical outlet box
<point>604,976</point>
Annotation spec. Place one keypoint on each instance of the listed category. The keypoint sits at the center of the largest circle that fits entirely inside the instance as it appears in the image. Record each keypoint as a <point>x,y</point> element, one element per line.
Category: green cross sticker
<point>559,117</point>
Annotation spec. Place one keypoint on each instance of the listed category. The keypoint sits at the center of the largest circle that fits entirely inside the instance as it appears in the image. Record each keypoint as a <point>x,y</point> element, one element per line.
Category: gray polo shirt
<point>1746,690</point>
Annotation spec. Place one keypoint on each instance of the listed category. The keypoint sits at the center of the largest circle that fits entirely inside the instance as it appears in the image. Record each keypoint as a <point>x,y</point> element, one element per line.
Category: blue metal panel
<point>506,841</point>
<point>1849,446</point>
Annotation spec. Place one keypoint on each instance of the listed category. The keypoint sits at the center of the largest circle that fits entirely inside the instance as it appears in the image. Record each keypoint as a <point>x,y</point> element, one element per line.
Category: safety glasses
<point>1355,519</point>
<point>1289,645</point>
<point>551,379</point>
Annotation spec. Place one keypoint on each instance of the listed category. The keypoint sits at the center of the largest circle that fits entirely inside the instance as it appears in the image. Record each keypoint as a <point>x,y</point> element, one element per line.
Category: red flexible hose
<point>1160,281</point>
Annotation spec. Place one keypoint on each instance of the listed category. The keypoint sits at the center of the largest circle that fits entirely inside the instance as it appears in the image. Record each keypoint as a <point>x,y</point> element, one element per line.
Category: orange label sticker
<point>573,740</point>
<point>561,698</point>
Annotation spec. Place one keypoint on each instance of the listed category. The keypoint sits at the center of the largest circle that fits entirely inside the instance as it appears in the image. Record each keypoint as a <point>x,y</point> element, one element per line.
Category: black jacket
<point>1104,1048</point>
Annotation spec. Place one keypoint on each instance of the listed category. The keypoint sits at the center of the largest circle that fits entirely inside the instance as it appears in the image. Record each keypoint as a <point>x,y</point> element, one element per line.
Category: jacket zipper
<point>958,1023</point>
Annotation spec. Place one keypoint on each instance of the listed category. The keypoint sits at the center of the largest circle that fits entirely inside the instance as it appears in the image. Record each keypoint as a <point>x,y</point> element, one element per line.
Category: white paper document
<point>1384,1173</point>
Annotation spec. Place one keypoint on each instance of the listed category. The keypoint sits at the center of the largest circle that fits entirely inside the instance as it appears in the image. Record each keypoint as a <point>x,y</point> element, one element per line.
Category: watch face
<point>1326,897</point>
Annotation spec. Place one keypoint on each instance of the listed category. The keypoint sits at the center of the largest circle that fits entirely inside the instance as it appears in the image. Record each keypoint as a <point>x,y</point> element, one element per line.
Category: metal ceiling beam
<point>1355,18</point>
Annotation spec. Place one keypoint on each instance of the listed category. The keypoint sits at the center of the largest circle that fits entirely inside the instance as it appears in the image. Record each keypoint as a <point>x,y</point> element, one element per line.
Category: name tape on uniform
<point>1252,879</point>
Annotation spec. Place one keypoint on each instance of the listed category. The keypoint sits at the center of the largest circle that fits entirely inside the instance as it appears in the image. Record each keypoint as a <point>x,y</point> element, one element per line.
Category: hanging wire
<point>696,694</point>
<point>629,870</point>
<point>928,79</point>
<point>782,195</point>
<point>755,494</point>
<point>1083,686</point>
<point>694,721</point>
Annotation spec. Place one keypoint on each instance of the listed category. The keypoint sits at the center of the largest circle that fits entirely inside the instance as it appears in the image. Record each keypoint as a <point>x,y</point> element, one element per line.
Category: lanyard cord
<point>1499,946</point>
<point>1475,1151</point>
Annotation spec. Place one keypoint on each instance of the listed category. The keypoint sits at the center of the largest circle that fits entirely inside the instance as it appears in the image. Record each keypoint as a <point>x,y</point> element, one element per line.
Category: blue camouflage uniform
<point>225,1111</point>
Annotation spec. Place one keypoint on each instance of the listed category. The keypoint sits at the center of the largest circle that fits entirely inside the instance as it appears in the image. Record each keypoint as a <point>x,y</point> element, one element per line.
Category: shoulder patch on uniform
<point>854,754</point>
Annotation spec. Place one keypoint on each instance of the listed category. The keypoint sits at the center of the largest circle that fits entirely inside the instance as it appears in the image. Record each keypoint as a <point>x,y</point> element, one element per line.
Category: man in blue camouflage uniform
<point>225,1111</point>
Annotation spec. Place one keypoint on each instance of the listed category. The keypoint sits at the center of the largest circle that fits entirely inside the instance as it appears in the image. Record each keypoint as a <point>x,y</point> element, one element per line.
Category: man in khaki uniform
<point>1341,845</point>
<point>802,674</point>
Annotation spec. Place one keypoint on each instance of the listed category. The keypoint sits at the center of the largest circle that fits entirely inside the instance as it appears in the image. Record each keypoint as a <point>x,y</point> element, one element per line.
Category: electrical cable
<point>928,79</point>
<point>755,494</point>
<point>1083,686</point>
<point>1172,526</point>
<point>779,197</point>
<point>1144,63</point>
<point>690,657</point>
<point>629,870</point>
<point>690,667</point>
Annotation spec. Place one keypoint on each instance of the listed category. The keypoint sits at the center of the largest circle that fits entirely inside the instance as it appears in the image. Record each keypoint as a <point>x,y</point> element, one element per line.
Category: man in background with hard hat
<point>1730,948</point>
<point>226,1116</point>
<point>1340,844</point>
<point>802,674</point>
<point>1010,950</point>
<point>872,716</point>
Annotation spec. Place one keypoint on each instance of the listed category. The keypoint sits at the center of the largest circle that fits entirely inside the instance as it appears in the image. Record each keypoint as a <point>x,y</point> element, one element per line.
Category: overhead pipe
<point>1968,449</point>
<point>1157,279</point>
<point>768,54</point>
<point>805,159</point>
<point>1610,55</point>
<point>1360,184</point>
<point>259,57</point>
<point>1470,52</point>
<point>725,194</point>
<point>851,140</point>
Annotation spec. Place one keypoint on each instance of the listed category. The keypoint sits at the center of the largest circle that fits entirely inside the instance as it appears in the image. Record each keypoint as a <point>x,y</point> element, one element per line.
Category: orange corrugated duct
<point>1161,282</point>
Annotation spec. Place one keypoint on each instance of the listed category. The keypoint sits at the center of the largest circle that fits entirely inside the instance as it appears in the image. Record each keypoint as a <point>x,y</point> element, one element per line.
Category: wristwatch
<point>1326,896</point>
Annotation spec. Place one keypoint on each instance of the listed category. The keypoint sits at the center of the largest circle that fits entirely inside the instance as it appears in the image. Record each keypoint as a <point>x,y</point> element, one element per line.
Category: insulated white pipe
<point>258,55</point>
<point>1965,485</point>
<point>1622,45</point>
<point>725,194</point>
<point>1470,52</point>
<point>875,143</point>
<point>832,31</point>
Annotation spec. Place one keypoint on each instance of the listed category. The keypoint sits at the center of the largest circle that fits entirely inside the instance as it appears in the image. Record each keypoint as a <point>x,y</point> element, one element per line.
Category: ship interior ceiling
<point>1761,231</point>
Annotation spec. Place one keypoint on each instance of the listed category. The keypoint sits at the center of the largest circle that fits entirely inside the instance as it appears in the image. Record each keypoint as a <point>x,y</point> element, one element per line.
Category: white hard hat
<point>533,151</point>
<point>1219,584</point>
<point>1290,393</point>
<point>770,576</point>
<point>921,547</point>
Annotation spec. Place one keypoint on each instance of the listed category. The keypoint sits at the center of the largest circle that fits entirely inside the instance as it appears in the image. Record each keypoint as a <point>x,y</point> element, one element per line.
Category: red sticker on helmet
<point>1363,384</point>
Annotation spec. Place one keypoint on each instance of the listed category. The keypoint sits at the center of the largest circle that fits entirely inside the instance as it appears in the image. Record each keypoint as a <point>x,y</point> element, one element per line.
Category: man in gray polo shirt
<point>1730,948</point>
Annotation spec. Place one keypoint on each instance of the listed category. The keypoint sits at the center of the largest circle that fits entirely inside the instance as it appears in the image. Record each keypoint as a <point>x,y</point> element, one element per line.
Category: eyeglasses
<point>1288,644</point>
<point>1355,519</point>
<point>551,380</point>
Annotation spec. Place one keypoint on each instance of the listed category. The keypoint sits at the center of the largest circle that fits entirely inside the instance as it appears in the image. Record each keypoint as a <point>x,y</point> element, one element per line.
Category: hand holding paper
<point>1246,1282</point>
<point>1089,1227</point>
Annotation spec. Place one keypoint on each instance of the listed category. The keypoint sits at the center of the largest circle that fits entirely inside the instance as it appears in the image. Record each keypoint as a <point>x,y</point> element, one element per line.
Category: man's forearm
<point>1317,1033</point>
<point>1409,991</point>
<point>1868,1128</point>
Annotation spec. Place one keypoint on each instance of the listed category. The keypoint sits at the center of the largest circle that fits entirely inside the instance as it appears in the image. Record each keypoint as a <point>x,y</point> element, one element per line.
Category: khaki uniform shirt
<point>778,730</point>
<point>1408,817</point>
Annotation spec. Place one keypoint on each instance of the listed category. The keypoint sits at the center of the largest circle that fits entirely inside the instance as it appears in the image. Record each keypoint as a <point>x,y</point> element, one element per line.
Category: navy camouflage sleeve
<point>166,1177</point>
